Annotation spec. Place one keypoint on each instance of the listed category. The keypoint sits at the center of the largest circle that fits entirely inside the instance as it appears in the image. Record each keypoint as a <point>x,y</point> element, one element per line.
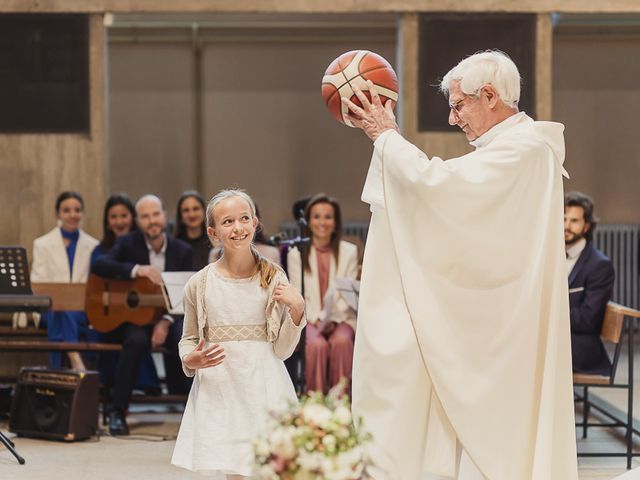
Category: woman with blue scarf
<point>63,256</point>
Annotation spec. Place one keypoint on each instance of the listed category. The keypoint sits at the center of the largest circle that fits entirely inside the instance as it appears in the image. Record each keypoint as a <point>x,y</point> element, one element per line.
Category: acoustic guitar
<point>109,303</point>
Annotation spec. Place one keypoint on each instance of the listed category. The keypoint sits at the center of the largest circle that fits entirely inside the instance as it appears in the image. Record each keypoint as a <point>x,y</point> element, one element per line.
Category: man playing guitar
<point>144,253</point>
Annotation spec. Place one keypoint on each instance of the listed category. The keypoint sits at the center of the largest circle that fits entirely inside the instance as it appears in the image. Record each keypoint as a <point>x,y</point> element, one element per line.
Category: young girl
<point>242,319</point>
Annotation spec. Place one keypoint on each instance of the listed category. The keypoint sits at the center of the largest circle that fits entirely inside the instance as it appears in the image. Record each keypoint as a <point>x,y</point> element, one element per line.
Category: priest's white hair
<point>489,67</point>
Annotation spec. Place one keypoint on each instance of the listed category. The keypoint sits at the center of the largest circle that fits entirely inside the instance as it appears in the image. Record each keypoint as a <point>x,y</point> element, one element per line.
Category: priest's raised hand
<point>373,118</point>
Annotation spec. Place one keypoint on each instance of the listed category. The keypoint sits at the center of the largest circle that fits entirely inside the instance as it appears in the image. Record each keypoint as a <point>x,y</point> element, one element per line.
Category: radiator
<point>350,228</point>
<point>621,244</point>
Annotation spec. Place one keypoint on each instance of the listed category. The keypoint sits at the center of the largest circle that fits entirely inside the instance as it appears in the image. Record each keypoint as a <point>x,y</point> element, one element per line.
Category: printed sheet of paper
<point>344,291</point>
<point>173,290</point>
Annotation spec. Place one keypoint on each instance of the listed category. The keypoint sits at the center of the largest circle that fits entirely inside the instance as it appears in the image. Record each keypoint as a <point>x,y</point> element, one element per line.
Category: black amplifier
<point>55,404</point>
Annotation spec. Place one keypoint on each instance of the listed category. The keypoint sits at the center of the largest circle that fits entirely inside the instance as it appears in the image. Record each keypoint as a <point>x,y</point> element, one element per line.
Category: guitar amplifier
<point>55,404</point>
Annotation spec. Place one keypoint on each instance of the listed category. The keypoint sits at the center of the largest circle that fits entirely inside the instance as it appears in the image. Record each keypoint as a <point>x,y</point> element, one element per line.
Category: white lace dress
<point>229,403</point>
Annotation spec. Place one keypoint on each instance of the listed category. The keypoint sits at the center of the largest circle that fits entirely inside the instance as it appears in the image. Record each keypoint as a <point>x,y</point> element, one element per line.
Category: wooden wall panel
<point>34,169</point>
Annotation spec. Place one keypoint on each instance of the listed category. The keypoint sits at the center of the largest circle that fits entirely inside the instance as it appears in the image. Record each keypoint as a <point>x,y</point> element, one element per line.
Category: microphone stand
<point>298,241</point>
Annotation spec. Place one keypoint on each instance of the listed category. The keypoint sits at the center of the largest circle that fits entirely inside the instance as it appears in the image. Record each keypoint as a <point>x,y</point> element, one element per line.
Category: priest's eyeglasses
<point>457,106</point>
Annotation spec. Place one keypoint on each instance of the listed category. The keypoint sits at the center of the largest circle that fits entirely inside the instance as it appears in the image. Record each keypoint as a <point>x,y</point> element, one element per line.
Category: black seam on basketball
<point>337,88</point>
<point>349,80</point>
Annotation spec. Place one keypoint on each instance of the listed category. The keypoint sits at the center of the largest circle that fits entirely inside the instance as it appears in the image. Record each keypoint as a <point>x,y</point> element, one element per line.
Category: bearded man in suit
<point>591,278</point>
<point>144,253</point>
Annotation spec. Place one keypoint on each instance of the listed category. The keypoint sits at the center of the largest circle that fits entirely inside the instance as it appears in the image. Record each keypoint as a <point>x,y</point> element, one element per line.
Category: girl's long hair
<point>266,268</point>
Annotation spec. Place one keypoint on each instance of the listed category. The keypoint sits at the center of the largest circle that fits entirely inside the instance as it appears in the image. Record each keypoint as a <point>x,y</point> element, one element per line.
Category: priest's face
<point>575,226</point>
<point>470,113</point>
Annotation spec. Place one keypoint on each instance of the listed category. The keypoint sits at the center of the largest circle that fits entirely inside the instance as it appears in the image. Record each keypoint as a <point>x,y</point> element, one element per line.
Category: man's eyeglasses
<point>457,106</point>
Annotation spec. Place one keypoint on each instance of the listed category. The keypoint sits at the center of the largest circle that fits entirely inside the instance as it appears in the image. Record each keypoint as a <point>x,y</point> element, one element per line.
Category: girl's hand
<point>287,294</point>
<point>204,358</point>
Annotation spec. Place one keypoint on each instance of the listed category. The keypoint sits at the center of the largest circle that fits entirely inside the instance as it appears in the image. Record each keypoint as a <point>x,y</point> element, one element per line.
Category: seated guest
<point>62,255</point>
<point>118,219</point>
<point>591,278</point>
<point>191,227</point>
<point>329,344</point>
<point>144,253</point>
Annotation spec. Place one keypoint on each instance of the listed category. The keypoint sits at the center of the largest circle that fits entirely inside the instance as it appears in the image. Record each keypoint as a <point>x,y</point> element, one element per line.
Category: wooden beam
<point>325,6</point>
<point>64,296</point>
<point>544,63</point>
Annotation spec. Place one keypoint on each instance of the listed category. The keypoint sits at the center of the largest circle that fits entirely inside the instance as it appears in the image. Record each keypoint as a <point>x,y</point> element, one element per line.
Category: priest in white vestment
<point>462,365</point>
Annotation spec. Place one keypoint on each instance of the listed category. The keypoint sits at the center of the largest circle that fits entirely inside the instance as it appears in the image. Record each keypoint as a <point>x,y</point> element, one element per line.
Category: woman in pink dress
<point>329,341</point>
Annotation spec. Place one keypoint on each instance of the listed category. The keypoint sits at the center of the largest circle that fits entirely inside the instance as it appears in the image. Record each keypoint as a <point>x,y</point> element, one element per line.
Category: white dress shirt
<point>573,253</point>
<point>156,260</point>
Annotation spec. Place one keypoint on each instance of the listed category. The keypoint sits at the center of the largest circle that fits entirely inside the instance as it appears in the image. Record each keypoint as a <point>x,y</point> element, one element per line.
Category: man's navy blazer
<point>130,250</point>
<point>590,288</point>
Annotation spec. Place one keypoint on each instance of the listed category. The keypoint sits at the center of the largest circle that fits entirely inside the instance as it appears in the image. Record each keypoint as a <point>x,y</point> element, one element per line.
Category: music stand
<point>297,366</point>
<point>14,271</point>
<point>15,293</point>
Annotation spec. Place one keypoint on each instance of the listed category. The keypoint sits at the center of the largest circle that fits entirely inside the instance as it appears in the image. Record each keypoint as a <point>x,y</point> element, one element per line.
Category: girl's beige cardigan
<point>281,331</point>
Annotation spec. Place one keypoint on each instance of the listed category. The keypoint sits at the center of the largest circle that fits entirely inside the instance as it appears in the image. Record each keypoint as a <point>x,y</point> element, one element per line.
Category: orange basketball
<point>355,68</point>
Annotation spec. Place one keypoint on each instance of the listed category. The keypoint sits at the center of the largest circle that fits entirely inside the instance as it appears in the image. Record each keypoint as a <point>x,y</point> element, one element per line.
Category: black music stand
<point>295,363</point>
<point>15,286</point>
<point>16,296</point>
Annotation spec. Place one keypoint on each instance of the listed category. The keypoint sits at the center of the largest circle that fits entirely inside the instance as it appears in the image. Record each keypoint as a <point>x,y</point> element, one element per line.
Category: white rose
<point>342,415</point>
<point>267,473</point>
<point>329,441</point>
<point>309,461</point>
<point>352,457</point>
<point>317,414</point>
<point>342,474</point>
<point>281,441</point>
<point>262,448</point>
<point>328,466</point>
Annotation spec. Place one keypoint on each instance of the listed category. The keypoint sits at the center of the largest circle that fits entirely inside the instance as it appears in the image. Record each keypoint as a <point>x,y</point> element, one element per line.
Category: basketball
<point>355,68</point>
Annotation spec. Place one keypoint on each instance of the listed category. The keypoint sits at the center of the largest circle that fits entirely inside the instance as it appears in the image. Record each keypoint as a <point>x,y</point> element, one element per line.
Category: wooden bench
<point>47,346</point>
<point>7,331</point>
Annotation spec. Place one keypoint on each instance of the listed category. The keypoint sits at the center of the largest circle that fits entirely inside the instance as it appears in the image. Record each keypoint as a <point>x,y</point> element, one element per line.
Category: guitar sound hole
<point>133,300</point>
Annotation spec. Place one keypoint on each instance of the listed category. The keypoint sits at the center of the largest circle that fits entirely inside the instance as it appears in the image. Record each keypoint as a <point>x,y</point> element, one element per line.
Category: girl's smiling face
<point>234,223</point>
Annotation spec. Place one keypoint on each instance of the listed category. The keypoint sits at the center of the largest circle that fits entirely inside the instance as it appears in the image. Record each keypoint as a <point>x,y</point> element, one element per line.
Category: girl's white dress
<point>229,404</point>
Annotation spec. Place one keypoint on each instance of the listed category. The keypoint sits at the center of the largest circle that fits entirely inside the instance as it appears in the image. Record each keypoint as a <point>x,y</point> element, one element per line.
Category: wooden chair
<point>617,319</point>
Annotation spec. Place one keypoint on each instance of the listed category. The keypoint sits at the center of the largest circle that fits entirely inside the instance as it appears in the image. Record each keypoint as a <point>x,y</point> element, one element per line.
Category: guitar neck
<point>140,300</point>
<point>151,300</point>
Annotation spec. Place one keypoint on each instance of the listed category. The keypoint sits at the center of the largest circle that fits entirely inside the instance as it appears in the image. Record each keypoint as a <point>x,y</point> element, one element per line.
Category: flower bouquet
<point>313,440</point>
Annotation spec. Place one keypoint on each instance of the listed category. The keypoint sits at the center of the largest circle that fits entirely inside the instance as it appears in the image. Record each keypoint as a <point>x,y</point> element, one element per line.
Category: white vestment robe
<point>463,322</point>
